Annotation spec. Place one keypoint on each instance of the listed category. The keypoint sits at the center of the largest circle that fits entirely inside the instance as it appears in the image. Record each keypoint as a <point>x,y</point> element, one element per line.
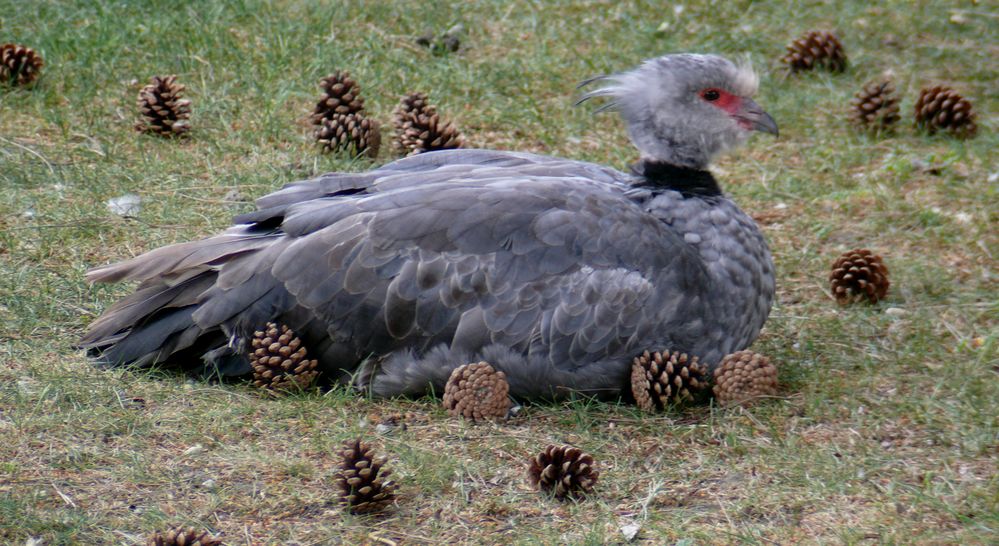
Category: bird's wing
<point>482,247</point>
<point>412,261</point>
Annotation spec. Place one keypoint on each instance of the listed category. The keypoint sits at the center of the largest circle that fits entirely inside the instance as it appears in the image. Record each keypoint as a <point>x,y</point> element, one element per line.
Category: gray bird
<point>557,272</point>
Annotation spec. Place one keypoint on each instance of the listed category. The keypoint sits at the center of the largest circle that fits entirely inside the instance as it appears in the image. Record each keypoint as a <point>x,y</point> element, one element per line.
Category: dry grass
<point>885,431</point>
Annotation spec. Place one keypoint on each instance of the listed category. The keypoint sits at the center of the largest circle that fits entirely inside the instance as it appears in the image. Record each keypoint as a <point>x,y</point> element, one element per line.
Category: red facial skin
<point>728,102</point>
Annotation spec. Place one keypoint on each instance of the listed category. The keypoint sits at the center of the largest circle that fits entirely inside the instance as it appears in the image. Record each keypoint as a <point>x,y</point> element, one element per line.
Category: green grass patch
<point>885,430</point>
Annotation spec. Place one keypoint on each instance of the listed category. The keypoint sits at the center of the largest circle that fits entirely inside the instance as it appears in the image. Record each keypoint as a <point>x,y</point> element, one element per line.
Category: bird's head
<point>685,109</point>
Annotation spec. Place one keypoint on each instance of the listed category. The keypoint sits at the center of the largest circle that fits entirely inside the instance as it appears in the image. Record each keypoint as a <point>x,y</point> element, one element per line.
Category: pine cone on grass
<point>278,360</point>
<point>875,106</point>
<point>477,392</point>
<point>183,537</point>
<point>419,127</point>
<point>857,275</point>
<point>563,471</point>
<point>19,65</point>
<point>658,380</point>
<point>350,133</point>
<point>361,481</point>
<point>941,108</point>
<point>815,48</point>
<point>163,111</point>
<point>341,95</point>
<point>743,376</point>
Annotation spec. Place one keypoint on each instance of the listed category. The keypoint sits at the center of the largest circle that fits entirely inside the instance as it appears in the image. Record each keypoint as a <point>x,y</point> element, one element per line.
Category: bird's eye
<point>710,95</point>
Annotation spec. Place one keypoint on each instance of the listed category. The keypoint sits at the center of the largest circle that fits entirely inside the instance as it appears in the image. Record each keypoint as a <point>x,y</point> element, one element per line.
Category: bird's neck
<point>660,175</point>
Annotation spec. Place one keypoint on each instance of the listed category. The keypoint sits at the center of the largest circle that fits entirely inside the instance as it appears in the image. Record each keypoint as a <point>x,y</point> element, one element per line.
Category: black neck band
<point>687,181</point>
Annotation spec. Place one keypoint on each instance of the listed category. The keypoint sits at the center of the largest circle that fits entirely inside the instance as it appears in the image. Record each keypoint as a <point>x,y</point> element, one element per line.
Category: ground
<point>885,429</point>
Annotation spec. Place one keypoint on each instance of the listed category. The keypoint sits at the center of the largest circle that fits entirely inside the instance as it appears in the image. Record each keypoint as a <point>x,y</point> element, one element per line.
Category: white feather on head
<point>666,118</point>
<point>741,78</point>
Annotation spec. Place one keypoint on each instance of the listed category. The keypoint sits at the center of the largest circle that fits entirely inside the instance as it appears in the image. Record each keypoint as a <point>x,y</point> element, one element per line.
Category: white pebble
<point>127,206</point>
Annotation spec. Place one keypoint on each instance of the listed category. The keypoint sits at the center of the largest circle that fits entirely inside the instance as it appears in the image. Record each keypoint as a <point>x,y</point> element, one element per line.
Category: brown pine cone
<point>815,48</point>
<point>19,65</point>
<point>361,480</point>
<point>563,471</point>
<point>350,133</point>
<point>875,106</point>
<point>743,376</point>
<point>419,128</point>
<point>941,108</point>
<point>278,360</point>
<point>857,275</point>
<point>477,392</point>
<point>183,537</point>
<point>341,95</point>
<point>163,111</point>
<point>659,380</point>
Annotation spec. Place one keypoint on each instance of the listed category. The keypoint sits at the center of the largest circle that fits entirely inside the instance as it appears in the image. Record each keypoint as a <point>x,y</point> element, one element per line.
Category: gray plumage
<point>557,272</point>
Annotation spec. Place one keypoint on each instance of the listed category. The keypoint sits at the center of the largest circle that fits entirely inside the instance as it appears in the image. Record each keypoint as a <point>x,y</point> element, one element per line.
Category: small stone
<point>27,386</point>
<point>126,206</point>
<point>630,531</point>
<point>233,196</point>
<point>196,449</point>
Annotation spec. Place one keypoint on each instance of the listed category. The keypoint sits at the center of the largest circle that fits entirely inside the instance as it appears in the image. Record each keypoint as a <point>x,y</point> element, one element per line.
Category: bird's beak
<point>752,117</point>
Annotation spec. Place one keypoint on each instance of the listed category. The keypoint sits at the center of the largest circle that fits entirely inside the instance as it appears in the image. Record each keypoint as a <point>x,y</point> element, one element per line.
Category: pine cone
<point>477,392</point>
<point>859,274</point>
<point>658,380</point>
<point>875,106</point>
<point>563,471</point>
<point>19,65</point>
<point>815,48</point>
<point>341,95</point>
<point>362,489</point>
<point>351,133</point>
<point>743,376</point>
<point>278,360</point>
<point>163,111</point>
<point>183,537</point>
<point>942,108</point>
<point>419,128</point>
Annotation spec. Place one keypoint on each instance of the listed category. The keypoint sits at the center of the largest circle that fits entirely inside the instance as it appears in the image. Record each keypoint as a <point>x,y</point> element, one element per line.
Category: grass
<point>886,429</point>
